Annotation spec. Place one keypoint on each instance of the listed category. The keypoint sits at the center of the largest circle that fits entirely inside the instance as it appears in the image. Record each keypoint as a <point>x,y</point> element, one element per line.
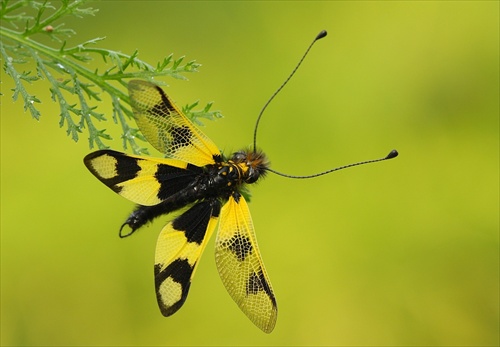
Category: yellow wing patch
<point>240,265</point>
<point>167,128</point>
<point>178,249</point>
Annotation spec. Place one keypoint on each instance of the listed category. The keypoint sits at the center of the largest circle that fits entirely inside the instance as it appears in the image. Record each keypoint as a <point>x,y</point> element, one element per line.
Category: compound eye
<point>252,175</point>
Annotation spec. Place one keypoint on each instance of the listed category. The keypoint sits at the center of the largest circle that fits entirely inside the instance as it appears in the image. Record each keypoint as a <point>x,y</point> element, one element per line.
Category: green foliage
<point>73,85</point>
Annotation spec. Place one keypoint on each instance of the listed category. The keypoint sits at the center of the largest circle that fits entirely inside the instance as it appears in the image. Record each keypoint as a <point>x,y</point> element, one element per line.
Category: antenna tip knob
<point>321,35</point>
<point>393,154</point>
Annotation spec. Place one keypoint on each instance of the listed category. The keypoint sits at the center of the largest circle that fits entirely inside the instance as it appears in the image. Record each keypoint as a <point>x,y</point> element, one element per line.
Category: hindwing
<point>240,265</point>
<point>143,180</point>
<point>166,128</point>
<point>178,249</point>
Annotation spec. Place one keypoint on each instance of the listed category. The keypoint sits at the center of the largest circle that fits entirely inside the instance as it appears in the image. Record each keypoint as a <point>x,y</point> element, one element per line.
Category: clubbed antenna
<point>319,36</point>
<point>392,154</point>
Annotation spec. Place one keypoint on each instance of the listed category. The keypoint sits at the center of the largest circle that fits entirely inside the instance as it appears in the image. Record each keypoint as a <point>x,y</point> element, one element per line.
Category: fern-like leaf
<point>73,85</point>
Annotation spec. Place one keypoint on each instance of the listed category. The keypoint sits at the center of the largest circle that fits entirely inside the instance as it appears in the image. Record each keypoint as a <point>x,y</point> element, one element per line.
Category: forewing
<point>179,247</point>
<point>145,181</point>
<point>166,128</point>
<point>240,265</point>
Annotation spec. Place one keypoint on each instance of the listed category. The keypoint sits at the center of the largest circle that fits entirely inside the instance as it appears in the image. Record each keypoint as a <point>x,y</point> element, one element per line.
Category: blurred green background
<point>404,252</point>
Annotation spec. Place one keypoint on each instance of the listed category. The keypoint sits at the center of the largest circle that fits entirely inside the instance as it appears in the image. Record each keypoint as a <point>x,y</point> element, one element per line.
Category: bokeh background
<point>404,252</point>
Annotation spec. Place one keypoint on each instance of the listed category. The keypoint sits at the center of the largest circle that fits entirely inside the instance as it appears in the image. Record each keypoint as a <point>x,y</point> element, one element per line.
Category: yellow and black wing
<point>178,249</point>
<point>166,128</point>
<point>144,180</point>
<point>240,265</point>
